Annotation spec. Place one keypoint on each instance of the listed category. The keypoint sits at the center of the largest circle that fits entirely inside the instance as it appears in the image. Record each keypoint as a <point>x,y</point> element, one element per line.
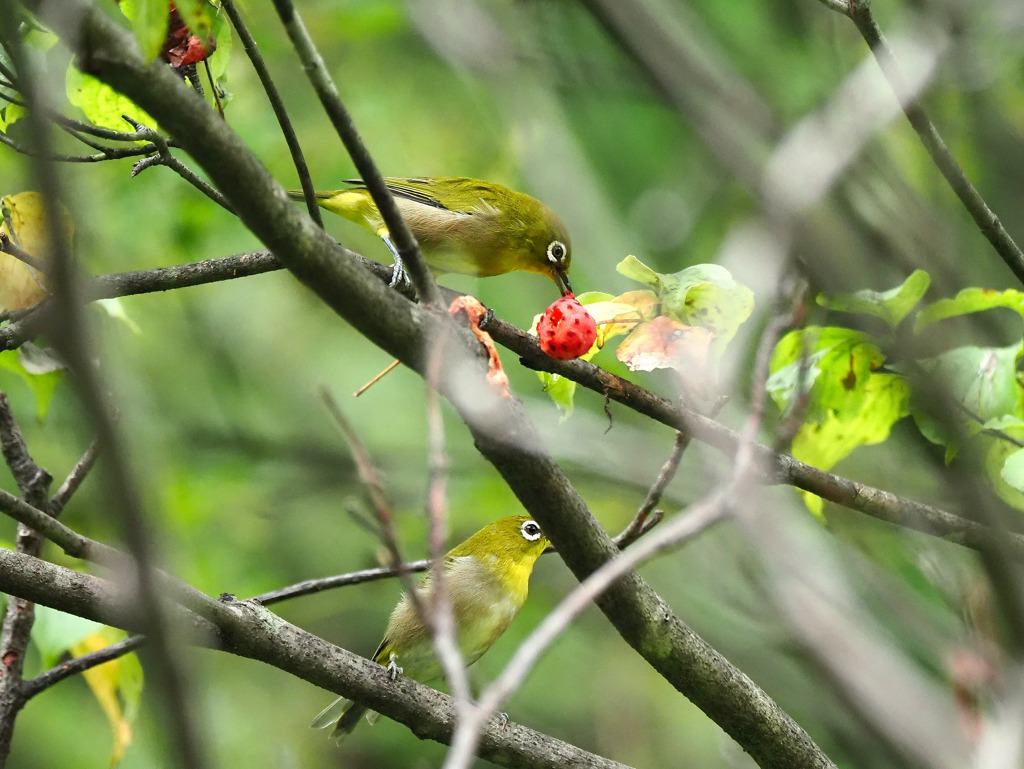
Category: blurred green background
<point>247,479</point>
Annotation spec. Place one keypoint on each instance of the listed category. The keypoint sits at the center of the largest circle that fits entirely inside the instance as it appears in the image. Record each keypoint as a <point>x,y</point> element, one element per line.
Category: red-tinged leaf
<point>667,343</point>
<point>181,47</point>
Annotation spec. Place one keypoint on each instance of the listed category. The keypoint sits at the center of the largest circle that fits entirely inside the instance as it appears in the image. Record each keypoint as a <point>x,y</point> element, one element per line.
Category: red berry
<point>566,330</point>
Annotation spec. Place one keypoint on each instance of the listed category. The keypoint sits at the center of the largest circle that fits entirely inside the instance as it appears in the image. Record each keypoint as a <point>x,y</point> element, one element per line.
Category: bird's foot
<point>394,671</point>
<point>503,717</point>
<point>398,275</point>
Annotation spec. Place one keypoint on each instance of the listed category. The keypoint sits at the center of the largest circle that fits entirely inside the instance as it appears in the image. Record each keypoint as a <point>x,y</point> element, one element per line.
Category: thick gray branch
<point>250,630</point>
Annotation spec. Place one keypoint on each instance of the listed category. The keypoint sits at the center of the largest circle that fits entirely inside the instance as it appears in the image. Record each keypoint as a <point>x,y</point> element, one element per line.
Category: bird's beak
<point>562,279</point>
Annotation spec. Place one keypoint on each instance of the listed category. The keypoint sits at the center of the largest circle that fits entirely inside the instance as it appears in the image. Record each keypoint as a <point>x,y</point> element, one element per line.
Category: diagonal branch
<point>371,176</point>
<point>859,11</point>
<point>249,630</point>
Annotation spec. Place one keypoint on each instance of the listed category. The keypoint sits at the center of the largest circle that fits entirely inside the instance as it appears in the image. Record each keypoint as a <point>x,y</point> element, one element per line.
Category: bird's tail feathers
<point>330,715</point>
<point>343,715</point>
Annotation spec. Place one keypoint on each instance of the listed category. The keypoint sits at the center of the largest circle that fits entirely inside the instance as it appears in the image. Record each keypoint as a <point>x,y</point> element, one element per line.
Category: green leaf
<point>561,390</point>
<point>218,61</point>
<point>866,420</point>
<point>198,16</point>
<point>10,114</point>
<point>983,379</point>
<point>704,295</point>
<point>39,370</point>
<point>968,301</point>
<point>1012,470</point>
<point>892,306</point>
<point>37,35</point>
<point>102,105</point>
<point>807,353</point>
<point>592,297</point>
<point>55,632</point>
<point>150,19</point>
<point>114,308</point>
<point>636,270</point>
<point>1004,459</point>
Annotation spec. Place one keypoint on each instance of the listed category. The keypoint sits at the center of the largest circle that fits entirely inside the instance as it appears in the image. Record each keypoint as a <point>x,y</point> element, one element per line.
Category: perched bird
<point>464,225</point>
<point>487,578</point>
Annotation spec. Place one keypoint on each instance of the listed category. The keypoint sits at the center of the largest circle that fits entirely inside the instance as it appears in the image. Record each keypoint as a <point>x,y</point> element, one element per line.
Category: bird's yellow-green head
<point>515,542</point>
<point>530,236</point>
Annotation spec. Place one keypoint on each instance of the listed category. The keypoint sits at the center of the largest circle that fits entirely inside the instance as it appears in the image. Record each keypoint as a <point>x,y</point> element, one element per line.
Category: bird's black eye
<point>556,252</point>
<point>530,531</point>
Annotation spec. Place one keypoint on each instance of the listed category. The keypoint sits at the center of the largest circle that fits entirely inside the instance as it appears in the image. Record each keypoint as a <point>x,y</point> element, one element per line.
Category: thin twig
<point>8,246</point>
<point>327,91</point>
<point>390,367</point>
<point>79,546</point>
<point>77,665</point>
<point>165,157</point>
<point>443,620</point>
<point>372,480</point>
<point>310,586</point>
<point>19,617</point>
<point>109,153</point>
<point>277,104</point>
<point>27,323</point>
<point>75,478</point>
<point>1002,435</point>
<point>859,11</point>
<point>644,521</point>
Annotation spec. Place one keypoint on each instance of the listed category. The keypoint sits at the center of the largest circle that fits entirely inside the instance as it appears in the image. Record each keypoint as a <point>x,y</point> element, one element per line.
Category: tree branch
<point>277,104</point>
<point>777,467</point>
<point>327,92</point>
<point>33,483</point>
<point>781,468</point>
<point>251,631</point>
<point>859,11</point>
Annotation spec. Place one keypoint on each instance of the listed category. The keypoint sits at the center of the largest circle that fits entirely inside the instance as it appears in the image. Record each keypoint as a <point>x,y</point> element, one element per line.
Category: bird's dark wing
<point>411,188</point>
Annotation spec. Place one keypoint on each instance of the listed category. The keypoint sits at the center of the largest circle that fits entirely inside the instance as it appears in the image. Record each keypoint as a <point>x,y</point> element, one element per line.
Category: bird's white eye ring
<point>531,531</point>
<point>556,252</point>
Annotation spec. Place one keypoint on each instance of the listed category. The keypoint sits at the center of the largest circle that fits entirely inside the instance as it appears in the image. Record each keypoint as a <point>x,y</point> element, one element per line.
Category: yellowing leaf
<point>117,687</point>
<point>849,402</point>
<point>622,314</point>
<point>667,343</point>
<point>20,285</point>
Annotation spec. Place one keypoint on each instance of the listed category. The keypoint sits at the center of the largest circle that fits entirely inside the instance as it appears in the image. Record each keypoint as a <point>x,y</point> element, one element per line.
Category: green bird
<point>464,225</point>
<point>487,578</point>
